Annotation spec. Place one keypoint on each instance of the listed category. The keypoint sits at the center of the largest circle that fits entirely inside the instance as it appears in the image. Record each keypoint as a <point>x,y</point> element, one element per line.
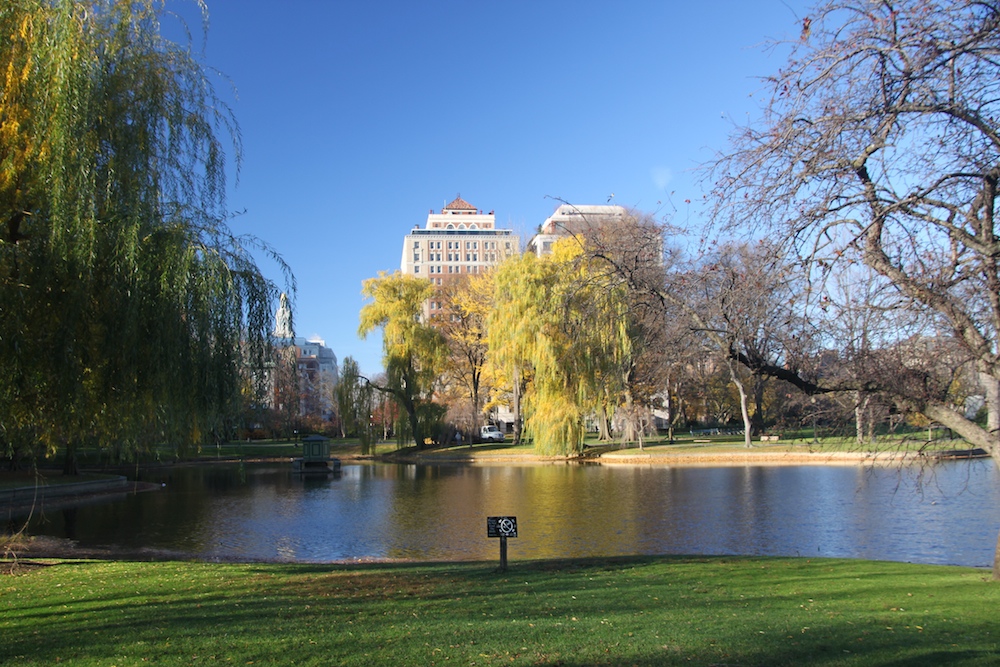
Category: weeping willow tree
<point>131,314</point>
<point>414,353</point>
<point>559,328</point>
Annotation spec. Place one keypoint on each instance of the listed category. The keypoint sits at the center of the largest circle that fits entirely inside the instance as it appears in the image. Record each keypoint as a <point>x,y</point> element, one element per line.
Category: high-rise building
<point>570,219</point>
<point>316,366</point>
<point>461,240</point>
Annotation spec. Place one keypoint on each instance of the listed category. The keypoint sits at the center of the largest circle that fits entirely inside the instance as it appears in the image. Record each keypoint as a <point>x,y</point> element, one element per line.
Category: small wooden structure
<point>315,457</point>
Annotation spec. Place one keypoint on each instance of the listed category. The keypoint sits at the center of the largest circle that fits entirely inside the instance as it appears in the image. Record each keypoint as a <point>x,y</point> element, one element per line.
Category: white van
<point>490,433</point>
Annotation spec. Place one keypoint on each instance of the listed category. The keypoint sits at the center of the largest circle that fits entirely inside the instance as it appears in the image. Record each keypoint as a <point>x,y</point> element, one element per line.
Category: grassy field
<point>642,611</point>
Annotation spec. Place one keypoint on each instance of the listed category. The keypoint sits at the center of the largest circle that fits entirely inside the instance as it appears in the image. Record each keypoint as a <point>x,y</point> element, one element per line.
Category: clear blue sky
<point>358,117</point>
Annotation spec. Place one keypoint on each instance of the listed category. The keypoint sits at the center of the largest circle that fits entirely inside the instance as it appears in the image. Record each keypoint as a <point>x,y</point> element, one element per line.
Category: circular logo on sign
<point>505,526</point>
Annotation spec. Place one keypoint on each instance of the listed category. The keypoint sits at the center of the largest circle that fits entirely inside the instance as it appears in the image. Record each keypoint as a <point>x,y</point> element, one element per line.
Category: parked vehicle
<point>490,433</point>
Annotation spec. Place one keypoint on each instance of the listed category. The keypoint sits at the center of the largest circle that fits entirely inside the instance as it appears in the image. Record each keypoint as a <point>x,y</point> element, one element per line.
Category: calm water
<point>949,514</point>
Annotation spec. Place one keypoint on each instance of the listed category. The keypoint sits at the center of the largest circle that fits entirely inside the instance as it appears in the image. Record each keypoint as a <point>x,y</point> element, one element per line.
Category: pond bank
<point>664,456</point>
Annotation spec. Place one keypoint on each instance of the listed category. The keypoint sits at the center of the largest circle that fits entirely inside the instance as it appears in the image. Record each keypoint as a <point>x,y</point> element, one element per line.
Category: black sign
<point>501,526</point>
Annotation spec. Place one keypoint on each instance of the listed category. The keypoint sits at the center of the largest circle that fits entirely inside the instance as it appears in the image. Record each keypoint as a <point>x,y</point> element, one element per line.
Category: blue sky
<point>359,117</point>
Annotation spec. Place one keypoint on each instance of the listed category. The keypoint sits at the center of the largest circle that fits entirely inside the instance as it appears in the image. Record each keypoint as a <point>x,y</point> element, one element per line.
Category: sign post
<point>502,527</point>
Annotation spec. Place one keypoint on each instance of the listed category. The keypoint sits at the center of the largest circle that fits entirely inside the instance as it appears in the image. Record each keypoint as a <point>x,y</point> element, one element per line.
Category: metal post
<point>503,554</point>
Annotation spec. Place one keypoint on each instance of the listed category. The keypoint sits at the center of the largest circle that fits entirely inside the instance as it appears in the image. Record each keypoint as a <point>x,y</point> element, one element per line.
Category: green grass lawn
<point>640,611</point>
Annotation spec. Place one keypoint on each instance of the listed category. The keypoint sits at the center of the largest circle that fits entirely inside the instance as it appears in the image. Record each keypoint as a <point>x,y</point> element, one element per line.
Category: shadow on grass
<point>643,611</point>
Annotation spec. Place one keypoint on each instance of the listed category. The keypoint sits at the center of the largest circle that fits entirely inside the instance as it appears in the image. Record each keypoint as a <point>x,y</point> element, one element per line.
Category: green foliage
<point>563,324</point>
<point>131,314</point>
<point>629,611</point>
<point>413,353</point>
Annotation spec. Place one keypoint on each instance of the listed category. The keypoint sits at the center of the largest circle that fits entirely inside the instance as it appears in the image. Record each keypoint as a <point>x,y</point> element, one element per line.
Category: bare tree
<point>631,246</point>
<point>879,143</point>
<point>743,301</point>
<point>736,300</point>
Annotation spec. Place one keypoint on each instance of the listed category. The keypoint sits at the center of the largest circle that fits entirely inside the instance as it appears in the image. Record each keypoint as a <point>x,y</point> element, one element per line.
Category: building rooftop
<point>465,232</point>
<point>459,204</point>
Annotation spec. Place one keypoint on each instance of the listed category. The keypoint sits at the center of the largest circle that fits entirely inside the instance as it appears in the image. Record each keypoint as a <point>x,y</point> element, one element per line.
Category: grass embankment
<point>694,448</point>
<point>642,611</point>
<point>792,442</point>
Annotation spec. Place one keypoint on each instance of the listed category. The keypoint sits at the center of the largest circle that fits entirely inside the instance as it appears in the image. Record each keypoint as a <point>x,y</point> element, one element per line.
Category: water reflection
<point>950,514</point>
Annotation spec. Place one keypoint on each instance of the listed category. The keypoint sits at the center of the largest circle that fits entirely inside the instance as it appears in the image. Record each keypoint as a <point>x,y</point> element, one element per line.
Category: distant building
<point>315,365</point>
<point>461,240</point>
<point>570,219</point>
<point>318,375</point>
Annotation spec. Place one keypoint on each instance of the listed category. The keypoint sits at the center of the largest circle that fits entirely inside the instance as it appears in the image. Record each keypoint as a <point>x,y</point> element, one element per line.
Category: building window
<point>416,244</point>
<point>416,257</point>
<point>416,269</point>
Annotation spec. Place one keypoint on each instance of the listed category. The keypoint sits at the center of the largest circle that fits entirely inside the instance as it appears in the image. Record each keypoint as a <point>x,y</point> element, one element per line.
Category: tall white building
<point>316,365</point>
<point>460,240</point>
<point>571,219</point>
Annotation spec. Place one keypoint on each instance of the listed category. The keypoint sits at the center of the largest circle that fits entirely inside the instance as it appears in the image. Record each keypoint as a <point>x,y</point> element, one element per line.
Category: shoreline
<point>669,459</point>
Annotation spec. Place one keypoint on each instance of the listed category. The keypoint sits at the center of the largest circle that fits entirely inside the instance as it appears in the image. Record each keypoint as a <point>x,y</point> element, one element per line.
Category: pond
<point>946,514</point>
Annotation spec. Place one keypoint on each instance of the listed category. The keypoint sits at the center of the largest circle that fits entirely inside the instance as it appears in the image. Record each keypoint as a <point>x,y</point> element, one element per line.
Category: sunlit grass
<point>795,442</point>
<point>642,611</point>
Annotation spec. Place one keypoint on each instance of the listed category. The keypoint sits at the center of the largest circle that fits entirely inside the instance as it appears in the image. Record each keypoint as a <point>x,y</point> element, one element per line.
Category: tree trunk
<point>744,404</point>
<point>668,404</point>
<point>517,405</point>
<point>992,390</point>
<point>603,430</point>
<point>477,417</point>
<point>758,403</point>
<point>991,387</point>
<point>971,432</point>
<point>418,437</point>
<point>71,465</point>
<point>996,551</point>
<point>861,402</point>
<point>631,430</point>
